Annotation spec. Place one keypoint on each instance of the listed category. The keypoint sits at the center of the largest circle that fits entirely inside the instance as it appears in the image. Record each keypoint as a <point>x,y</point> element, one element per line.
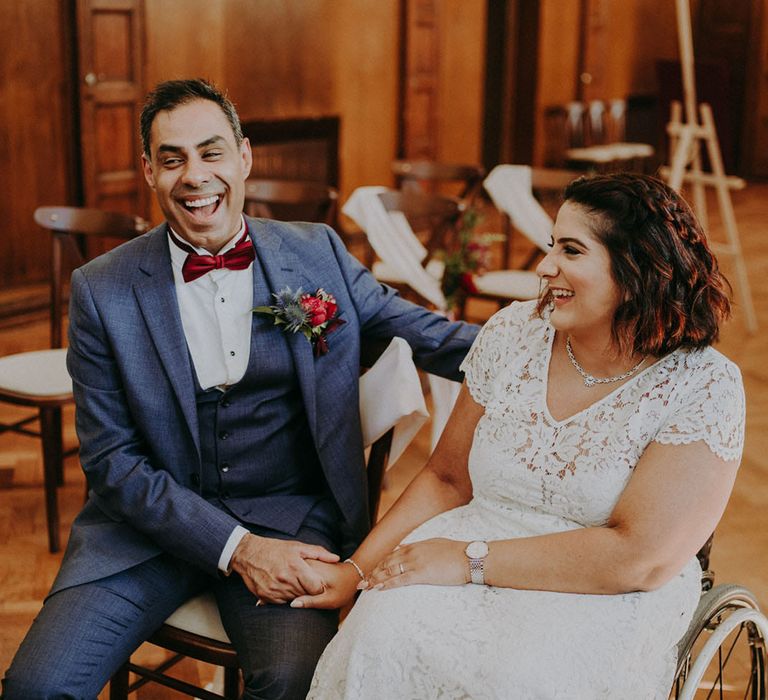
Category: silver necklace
<point>590,380</point>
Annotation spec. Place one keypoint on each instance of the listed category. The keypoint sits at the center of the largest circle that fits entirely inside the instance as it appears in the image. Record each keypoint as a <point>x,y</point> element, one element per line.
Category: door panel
<point>111,36</point>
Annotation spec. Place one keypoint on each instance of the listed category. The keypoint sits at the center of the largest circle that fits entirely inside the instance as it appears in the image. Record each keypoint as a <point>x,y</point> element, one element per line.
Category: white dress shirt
<point>216,312</point>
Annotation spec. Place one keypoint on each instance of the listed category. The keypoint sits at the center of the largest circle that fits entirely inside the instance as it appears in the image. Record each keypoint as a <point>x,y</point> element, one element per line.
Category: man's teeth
<point>197,203</point>
<point>561,293</point>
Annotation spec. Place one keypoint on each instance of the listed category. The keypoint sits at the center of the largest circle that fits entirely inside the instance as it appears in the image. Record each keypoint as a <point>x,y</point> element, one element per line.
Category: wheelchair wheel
<point>723,653</point>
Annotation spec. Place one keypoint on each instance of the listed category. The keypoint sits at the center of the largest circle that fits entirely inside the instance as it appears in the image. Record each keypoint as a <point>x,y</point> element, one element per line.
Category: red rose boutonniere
<point>312,315</point>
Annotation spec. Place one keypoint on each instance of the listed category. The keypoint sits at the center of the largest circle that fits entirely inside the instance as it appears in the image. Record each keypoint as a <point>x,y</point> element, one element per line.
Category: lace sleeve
<point>710,407</point>
<point>488,354</point>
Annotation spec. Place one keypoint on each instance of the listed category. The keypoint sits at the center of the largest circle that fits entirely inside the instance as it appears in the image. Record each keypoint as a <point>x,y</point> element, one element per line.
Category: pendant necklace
<point>590,380</point>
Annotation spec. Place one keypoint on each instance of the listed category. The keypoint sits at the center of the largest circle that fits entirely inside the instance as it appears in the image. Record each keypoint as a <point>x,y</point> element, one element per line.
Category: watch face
<point>476,550</point>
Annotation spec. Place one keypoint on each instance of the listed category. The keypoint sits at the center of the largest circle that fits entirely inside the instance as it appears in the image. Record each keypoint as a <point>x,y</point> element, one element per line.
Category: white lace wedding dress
<point>532,475</point>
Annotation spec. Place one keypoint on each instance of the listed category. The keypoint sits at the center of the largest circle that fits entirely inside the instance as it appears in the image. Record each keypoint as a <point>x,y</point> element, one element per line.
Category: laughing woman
<point>547,550</point>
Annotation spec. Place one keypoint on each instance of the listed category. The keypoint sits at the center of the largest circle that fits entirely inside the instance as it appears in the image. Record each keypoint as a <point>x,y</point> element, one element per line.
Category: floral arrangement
<point>470,258</point>
<point>312,315</point>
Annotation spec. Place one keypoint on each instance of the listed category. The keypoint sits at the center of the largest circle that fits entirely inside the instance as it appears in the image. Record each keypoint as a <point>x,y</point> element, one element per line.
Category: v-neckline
<point>545,394</point>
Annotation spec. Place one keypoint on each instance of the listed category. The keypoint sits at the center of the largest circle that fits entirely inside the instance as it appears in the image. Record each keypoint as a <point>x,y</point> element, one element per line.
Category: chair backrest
<point>428,176</point>
<point>432,217</point>
<point>70,227</point>
<point>583,124</point>
<point>291,200</point>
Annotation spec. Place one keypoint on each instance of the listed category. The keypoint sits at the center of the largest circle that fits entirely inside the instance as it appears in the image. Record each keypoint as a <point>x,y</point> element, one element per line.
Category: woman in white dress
<point>547,550</point>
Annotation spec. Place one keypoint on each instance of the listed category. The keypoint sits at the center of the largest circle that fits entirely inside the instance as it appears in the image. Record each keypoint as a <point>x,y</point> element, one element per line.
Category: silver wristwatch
<point>476,553</point>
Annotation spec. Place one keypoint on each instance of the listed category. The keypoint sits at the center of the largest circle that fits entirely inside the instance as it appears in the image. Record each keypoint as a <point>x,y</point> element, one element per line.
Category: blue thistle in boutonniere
<point>312,315</point>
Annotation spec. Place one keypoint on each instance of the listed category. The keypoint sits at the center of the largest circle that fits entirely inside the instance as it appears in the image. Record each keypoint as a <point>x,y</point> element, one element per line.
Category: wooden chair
<point>428,176</point>
<point>512,188</point>
<point>291,200</point>
<point>432,220</point>
<point>592,136</point>
<point>195,629</point>
<point>39,379</point>
<point>547,185</point>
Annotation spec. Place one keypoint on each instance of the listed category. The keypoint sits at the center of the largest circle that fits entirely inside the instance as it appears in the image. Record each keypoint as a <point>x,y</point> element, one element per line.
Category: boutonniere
<point>312,315</point>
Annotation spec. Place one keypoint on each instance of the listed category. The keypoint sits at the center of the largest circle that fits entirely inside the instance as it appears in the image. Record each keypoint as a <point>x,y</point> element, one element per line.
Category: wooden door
<point>110,48</point>
<point>726,36</point>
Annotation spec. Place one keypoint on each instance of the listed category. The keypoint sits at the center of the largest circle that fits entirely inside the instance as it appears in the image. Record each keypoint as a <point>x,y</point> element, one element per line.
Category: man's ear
<point>147,167</point>
<point>247,155</point>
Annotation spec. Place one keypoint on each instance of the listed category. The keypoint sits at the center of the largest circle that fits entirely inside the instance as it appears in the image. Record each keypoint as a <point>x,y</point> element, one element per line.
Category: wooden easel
<point>686,138</point>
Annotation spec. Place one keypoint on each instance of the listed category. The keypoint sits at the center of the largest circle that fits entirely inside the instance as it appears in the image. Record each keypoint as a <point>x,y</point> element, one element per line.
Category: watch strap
<point>477,571</point>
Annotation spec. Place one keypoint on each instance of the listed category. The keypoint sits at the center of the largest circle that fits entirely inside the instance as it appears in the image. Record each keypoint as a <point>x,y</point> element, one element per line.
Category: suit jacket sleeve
<point>125,479</point>
<point>439,345</point>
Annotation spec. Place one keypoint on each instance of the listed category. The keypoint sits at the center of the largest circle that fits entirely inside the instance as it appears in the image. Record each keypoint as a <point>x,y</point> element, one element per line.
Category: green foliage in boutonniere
<point>312,315</point>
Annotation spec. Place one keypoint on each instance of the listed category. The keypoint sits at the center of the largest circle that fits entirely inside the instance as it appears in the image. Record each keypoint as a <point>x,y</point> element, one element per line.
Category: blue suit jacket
<point>135,394</point>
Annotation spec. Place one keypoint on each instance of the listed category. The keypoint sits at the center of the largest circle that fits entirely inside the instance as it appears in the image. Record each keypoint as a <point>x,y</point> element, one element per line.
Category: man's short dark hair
<point>173,93</point>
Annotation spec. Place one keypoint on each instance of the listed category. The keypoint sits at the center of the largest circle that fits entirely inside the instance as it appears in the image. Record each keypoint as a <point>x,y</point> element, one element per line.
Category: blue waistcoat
<point>259,461</point>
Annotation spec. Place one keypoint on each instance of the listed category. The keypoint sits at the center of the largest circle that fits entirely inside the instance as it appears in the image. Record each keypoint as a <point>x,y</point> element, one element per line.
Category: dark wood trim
<point>402,59</point>
<point>511,70</point>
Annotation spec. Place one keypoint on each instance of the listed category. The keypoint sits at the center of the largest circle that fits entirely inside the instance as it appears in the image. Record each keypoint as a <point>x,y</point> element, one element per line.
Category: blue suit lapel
<point>156,295</point>
<point>284,269</point>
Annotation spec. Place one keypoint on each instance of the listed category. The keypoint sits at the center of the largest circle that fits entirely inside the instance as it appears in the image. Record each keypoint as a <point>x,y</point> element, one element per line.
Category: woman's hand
<point>340,585</point>
<point>437,561</point>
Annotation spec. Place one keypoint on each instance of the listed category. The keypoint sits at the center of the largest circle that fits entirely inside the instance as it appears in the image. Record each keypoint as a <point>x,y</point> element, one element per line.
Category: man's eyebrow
<point>170,148</point>
<point>210,142</point>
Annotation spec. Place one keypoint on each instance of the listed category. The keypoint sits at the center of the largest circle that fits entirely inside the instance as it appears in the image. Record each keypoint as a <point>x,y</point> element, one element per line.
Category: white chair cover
<point>391,395</point>
<point>393,240</point>
<point>509,187</point>
<point>514,284</point>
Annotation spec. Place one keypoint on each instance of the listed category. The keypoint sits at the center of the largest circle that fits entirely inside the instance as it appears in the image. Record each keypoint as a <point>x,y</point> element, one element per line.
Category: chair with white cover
<point>39,379</point>
<point>392,410</point>
<point>592,136</point>
<point>517,191</point>
<point>404,261</point>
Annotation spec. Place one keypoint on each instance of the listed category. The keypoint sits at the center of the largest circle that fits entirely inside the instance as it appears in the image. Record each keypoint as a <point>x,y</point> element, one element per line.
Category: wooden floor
<point>741,543</point>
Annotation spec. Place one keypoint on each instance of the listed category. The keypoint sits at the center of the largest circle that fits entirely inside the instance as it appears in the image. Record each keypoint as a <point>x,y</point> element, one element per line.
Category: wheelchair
<point>723,653</point>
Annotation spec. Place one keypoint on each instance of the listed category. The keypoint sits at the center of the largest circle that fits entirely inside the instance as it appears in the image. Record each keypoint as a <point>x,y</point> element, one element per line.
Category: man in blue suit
<point>221,451</point>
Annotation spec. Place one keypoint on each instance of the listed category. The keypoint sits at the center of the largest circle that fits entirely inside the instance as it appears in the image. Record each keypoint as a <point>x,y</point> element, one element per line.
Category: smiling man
<point>221,452</point>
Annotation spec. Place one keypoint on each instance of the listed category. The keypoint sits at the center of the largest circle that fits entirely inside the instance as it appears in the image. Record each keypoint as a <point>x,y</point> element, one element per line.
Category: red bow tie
<point>196,265</point>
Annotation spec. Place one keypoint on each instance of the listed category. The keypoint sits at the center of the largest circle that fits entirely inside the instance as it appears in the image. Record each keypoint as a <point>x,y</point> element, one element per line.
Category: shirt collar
<point>178,256</point>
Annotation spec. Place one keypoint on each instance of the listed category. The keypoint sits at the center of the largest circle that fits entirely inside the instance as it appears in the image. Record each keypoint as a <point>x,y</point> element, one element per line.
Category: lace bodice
<point>577,468</point>
<point>534,475</point>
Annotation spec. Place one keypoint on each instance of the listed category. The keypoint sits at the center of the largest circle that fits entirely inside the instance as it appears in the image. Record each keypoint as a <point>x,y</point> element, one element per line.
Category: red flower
<point>312,315</point>
<point>467,283</point>
<point>320,306</point>
<point>315,308</point>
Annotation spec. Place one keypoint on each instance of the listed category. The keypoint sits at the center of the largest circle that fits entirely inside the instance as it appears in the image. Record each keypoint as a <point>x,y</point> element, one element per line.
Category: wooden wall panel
<point>461,76</point>
<point>558,61</point>
<point>366,76</point>
<point>36,138</point>
<point>293,58</point>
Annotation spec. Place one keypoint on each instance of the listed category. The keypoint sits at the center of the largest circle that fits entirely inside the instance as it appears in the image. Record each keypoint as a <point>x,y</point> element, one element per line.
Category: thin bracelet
<point>357,568</point>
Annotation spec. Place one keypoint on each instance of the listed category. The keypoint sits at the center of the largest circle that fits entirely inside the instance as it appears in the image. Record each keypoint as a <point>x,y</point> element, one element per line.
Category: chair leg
<point>118,684</point>
<point>231,683</point>
<point>50,430</point>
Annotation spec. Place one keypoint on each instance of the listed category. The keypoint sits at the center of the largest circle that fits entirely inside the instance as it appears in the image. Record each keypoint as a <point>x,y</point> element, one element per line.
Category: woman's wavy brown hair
<point>674,294</point>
